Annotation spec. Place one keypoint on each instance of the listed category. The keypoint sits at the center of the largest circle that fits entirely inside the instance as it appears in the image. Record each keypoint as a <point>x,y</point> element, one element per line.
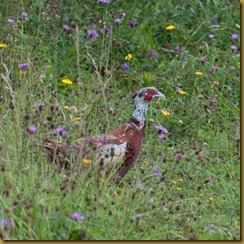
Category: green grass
<point>38,198</point>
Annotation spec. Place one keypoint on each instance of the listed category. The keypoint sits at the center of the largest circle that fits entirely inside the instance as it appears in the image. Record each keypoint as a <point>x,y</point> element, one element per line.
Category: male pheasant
<point>118,148</point>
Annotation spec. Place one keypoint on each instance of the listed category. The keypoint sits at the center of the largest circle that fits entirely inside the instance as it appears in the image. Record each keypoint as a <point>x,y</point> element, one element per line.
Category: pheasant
<point>118,148</point>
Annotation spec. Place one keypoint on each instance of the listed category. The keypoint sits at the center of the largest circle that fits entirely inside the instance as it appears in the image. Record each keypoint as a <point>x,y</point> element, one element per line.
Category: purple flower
<point>213,20</point>
<point>11,21</point>
<point>212,231</point>
<point>203,58</point>
<point>138,216</point>
<point>179,84</point>
<point>152,53</point>
<point>178,155</point>
<point>160,128</point>
<point>212,226</point>
<point>131,22</point>
<point>107,30</point>
<point>66,27</point>
<point>136,92</point>
<point>117,21</point>
<point>127,68</point>
<point>58,130</point>
<point>156,171</point>
<point>56,105</point>
<point>103,1</point>
<point>5,224</point>
<point>232,68</point>
<point>234,37</point>
<point>213,69</point>
<point>23,66</point>
<point>209,179</point>
<point>162,137</point>
<point>211,36</point>
<point>41,105</point>
<point>24,15</point>
<point>77,217</point>
<point>233,48</point>
<point>31,129</point>
<point>177,48</point>
<point>139,185</point>
<point>92,34</point>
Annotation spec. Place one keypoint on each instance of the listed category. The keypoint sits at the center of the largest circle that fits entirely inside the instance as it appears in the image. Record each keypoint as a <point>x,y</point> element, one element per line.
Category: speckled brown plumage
<point>118,148</point>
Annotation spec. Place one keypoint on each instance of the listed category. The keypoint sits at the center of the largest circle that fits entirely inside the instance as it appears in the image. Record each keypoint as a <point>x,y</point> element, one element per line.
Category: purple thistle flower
<point>234,37</point>
<point>31,129</point>
<point>213,20</point>
<point>156,171</point>
<point>5,224</point>
<point>58,130</point>
<point>213,69</point>
<point>127,68</point>
<point>152,53</point>
<point>162,137</point>
<point>203,58</point>
<point>178,155</point>
<point>177,48</point>
<point>117,21</point>
<point>56,105</point>
<point>131,22</point>
<point>160,128</point>
<point>179,85</point>
<point>233,48</point>
<point>77,217</point>
<point>23,66</point>
<point>209,179</point>
<point>107,30</point>
<point>232,68</point>
<point>92,34</point>
<point>41,105</point>
<point>211,36</point>
<point>25,15</point>
<point>11,21</point>
<point>138,216</point>
<point>212,226</point>
<point>136,92</point>
<point>66,27</point>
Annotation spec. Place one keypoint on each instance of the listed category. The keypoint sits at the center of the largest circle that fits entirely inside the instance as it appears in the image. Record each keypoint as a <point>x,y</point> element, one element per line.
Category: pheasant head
<point>142,99</point>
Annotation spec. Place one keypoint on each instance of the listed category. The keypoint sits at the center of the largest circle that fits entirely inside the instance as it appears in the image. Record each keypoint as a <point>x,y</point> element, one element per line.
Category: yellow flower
<point>211,199</point>
<point>22,72</point>
<point>170,27</point>
<point>179,189</point>
<point>165,112</point>
<point>182,92</point>
<point>101,179</point>
<point>198,73</point>
<point>128,57</point>
<point>76,118</point>
<point>180,180</point>
<point>66,107</point>
<point>115,193</point>
<point>216,83</point>
<point>67,81</point>
<point>86,161</point>
<point>2,45</point>
<point>146,162</point>
<point>201,195</point>
<point>173,182</point>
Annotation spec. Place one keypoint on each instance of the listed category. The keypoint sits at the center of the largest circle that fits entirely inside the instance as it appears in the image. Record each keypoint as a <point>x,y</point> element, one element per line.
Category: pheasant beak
<point>159,95</point>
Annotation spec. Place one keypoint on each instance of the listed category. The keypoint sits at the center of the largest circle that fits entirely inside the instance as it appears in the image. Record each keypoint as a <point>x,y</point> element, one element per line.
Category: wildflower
<point>232,68</point>
<point>103,1</point>
<point>179,84</point>
<point>160,128</point>
<point>40,105</point>
<point>146,162</point>
<point>177,48</point>
<point>86,161</point>
<point>234,37</point>
<point>23,66</point>
<point>92,34</point>
<point>156,171</point>
<point>127,68</point>
<point>135,92</point>
<point>198,73</point>
<point>233,48</point>
<point>58,130</point>
<point>179,189</point>
<point>131,22</point>
<point>212,226</point>
<point>138,216</point>
<point>77,217</point>
<point>203,59</point>
<point>173,182</point>
<point>67,81</point>
<point>107,30</point>
<point>213,69</point>
<point>212,231</point>
<point>128,57</point>
<point>139,185</point>
<point>211,199</point>
<point>211,36</point>
<point>178,155</point>
<point>201,195</point>
<point>209,179</point>
<point>66,107</point>
<point>121,13</point>
<point>5,224</point>
<point>216,83</point>
<point>2,45</point>
<point>115,193</point>
<point>214,21</point>
<point>66,27</point>
<point>24,15</point>
<point>11,21</point>
<point>170,27</point>
<point>56,105</point>
<point>152,53</point>
<point>31,129</point>
<point>162,137</point>
<point>117,21</point>
<point>22,72</point>
<point>180,180</point>
<point>182,92</point>
<point>165,112</point>
<point>77,118</point>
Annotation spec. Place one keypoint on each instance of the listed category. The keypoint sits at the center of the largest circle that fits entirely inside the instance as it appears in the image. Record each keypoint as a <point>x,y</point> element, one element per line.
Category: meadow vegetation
<point>68,69</point>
